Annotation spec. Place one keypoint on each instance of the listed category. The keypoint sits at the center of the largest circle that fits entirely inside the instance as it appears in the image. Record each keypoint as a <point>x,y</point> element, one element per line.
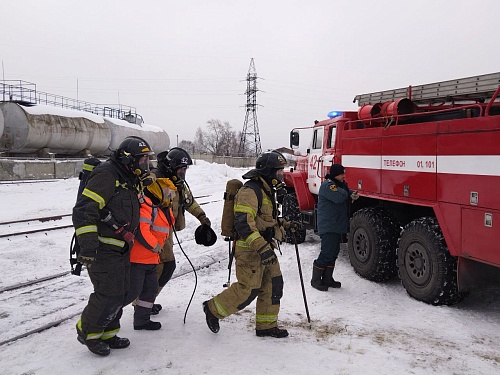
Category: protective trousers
<point>110,276</point>
<point>254,281</point>
<point>166,268</point>
<point>143,287</point>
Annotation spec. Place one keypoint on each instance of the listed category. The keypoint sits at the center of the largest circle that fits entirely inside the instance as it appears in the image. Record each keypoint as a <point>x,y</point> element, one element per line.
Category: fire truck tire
<point>372,244</point>
<point>426,268</point>
<point>291,212</point>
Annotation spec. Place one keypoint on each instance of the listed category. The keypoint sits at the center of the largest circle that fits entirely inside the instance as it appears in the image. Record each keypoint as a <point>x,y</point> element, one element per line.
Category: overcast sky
<point>182,63</point>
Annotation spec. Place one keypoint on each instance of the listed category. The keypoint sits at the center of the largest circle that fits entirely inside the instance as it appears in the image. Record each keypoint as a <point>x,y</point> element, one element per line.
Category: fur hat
<point>336,169</point>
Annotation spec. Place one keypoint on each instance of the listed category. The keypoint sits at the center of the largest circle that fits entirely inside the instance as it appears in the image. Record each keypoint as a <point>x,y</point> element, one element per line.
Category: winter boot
<point>156,309</point>
<point>316,281</point>
<point>116,342</point>
<point>96,346</point>
<point>328,279</point>
<point>272,332</point>
<point>149,326</point>
<point>212,321</point>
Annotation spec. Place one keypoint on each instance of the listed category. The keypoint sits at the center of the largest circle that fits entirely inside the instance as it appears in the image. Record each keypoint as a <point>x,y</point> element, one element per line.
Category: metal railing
<point>24,92</point>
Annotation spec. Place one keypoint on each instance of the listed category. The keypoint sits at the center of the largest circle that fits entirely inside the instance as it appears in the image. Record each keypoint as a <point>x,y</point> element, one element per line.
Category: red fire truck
<point>426,163</point>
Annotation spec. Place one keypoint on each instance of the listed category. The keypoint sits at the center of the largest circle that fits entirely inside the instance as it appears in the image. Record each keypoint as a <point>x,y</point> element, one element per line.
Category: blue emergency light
<point>333,114</point>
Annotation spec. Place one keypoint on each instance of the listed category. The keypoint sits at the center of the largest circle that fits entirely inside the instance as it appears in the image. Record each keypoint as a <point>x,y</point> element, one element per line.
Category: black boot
<point>272,332</point>
<point>316,281</point>
<point>149,326</point>
<point>116,342</point>
<point>156,309</point>
<point>328,277</point>
<point>212,321</point>
<point>96,346</point>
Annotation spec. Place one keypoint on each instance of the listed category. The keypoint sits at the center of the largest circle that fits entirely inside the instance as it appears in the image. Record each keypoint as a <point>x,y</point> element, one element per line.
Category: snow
<point>362,328</point>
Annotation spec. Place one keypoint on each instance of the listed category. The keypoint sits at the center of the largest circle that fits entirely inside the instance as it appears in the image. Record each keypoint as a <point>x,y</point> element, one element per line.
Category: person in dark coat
<point>105,218</point>
<point>333,221</point>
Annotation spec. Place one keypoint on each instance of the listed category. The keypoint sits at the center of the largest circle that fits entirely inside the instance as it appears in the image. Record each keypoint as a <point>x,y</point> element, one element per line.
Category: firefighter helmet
<point>170,161</point>
<point>269,162</point>
<point>130,153</point>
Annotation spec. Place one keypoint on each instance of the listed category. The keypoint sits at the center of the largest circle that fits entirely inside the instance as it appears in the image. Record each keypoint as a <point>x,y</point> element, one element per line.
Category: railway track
<point>49,223</point>
<point>36,305</point>
<point>46,302</point>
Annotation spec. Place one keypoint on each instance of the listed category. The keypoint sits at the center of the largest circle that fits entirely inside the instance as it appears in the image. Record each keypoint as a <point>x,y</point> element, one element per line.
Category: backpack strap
<point>256,186</point>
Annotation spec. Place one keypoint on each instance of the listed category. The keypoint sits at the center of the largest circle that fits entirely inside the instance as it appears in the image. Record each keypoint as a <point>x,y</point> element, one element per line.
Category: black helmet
<point>170,161</point>
<point>204,235</point>
<point>130,153</point>
<point>269,162</point>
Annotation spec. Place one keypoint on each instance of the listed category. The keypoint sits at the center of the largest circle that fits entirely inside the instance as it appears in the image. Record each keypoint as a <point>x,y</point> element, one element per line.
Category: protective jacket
<point>333,207</point>
<point>154,229</point>
<point>256,230</point>
<point>109,189</point>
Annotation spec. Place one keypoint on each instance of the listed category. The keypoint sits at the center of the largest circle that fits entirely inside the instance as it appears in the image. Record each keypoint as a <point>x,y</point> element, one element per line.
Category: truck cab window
<point>331,137</point>
<point>318,139</point>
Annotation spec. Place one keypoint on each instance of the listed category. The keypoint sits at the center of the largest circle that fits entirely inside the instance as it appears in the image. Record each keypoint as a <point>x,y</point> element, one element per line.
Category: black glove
<point>267,256</point>
<point>207,221</point>
<point>85,260</point>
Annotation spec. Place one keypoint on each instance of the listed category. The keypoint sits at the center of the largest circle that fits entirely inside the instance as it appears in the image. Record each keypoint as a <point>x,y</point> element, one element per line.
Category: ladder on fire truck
<point>478,88</point>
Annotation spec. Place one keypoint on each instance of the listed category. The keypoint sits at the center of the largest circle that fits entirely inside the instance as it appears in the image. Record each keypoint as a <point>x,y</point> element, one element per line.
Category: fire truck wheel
<point>372,244</point>
<point>291,212</point>
<point>426,268</point>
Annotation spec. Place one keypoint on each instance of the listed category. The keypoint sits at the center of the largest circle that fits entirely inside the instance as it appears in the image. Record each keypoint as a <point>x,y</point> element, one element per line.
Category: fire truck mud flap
<point>474,275</point>
<point>372,243</point>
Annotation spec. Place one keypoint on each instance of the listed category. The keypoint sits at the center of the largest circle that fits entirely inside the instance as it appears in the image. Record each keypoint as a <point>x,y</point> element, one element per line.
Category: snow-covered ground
<point>362,328</point>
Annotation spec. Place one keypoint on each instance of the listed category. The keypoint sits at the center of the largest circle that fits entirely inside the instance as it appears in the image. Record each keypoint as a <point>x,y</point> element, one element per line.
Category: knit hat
<point>336,169</point>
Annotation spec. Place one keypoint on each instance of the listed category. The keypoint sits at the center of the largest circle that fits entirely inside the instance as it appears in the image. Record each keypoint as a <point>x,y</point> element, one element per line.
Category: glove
<point>85,260</point>
<point>127,235</point>
<point>157,249</point>
<point>267,256</point>
<point>292,225</point>
<point>354,195</point>
<point>207,221</point>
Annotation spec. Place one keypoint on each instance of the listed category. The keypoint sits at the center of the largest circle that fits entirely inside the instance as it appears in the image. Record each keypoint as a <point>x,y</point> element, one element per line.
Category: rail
<point>25,93</point>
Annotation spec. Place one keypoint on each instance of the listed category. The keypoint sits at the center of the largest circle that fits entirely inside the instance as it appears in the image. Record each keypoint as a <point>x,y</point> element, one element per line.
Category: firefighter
<point>154,228</point>
<point>105,218</point>
<point>257,267</point>
<point>333,221</point>
<point>173,165</point>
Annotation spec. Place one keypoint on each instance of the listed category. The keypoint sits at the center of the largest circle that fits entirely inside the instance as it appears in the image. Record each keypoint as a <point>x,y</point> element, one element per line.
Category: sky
<point>362,328</point>
<point>183,63</point>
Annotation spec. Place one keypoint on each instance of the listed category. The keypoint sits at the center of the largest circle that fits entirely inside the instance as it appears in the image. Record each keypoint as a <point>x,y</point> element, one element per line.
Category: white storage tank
<point>32,129</point>
<point>157,138</point>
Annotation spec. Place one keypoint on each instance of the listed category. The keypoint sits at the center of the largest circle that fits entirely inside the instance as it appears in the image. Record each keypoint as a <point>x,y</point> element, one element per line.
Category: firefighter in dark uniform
<point>257,267</point>
<point>105,217</point>
<point>333,221</point>
<point>173,165</point>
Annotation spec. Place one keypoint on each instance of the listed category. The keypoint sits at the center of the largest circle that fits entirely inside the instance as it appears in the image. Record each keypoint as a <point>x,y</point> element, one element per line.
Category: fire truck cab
<point>426,163</point>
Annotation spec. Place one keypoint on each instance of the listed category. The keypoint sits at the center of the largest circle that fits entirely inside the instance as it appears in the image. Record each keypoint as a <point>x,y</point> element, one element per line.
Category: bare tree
<point>218,139</point>
<point>188,146</point>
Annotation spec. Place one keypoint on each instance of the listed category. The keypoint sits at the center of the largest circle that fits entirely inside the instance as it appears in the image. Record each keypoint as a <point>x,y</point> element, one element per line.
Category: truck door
<point>315,161</point>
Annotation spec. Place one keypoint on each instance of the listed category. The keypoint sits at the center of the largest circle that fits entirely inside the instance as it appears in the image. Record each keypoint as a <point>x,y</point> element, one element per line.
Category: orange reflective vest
<point>153,231</point>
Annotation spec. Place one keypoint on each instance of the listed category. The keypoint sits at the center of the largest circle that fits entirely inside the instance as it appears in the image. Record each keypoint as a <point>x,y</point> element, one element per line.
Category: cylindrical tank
<point>1,125</point>
<point>402,106</point>
<point>30,129</point>
<point>368,111</point>
<point>157,138</point>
